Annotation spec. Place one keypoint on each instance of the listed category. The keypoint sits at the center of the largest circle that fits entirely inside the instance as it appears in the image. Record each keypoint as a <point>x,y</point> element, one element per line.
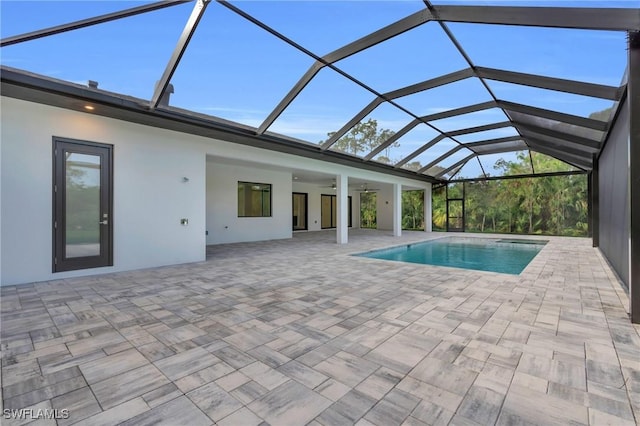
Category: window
<point>254,199</point>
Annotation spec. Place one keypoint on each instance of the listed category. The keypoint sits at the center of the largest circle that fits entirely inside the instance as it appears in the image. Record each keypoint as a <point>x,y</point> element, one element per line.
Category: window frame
<point>262,200</point>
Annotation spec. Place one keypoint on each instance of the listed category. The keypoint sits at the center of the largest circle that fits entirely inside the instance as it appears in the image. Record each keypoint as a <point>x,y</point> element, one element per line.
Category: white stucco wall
<point>384,201</point>
<point>150,196</point>
<point>223,223</point>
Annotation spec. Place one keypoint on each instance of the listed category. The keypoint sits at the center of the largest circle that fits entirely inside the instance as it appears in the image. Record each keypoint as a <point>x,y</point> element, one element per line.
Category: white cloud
<point>239,111</point>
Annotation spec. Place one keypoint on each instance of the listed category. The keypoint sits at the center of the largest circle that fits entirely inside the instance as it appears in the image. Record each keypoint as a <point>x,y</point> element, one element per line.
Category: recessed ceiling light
<point>295,178</point>
<point>89,107</point>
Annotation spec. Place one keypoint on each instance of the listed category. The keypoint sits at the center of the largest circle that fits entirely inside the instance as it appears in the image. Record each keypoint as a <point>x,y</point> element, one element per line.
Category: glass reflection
<point>82,227</point>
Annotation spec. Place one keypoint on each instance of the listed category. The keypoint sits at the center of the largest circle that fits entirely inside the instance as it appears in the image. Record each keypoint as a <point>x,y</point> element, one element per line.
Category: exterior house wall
<point>384,201</point>
<point>150,194</point>
<point>149,197</point>
<point>223,223</point>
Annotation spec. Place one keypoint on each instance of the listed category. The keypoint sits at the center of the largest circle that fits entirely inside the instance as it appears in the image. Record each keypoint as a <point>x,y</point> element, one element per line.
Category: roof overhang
<point>44,90</point>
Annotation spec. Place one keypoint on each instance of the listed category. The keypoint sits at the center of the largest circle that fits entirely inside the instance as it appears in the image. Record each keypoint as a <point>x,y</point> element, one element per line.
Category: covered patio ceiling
<point>432,74</point>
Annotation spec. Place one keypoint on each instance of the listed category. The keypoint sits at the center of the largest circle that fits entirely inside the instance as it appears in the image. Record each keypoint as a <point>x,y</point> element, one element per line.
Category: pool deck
<point>296,332</point>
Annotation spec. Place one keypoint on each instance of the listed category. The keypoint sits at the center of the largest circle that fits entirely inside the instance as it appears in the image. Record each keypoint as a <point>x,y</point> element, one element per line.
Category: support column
<point>397,210</point>
<point>428,219</point>
<point>633,97</point>
<point>342,209</point>
<point>594,200</point>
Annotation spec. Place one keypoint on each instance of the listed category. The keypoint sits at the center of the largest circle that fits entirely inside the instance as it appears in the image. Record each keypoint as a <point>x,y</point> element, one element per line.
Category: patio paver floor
<point>298,332</point>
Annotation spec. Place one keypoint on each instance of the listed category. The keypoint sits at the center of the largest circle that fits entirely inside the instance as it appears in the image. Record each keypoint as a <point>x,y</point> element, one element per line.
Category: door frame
<point>334,201</point>
<point>450,227</point>
<point>306,211</point>
<point>59,262</point>
<point>460,200</point>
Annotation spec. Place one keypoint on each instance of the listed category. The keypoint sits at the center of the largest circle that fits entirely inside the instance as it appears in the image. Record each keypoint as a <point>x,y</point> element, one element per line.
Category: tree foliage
<point>551,205</point>
<point>555,205</point>
<point>363,138</point>
<point>413,210</point>
<point>368,210</point>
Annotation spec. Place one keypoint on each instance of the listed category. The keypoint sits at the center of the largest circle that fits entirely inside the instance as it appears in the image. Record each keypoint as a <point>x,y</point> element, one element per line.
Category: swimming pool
<point>505,255</point>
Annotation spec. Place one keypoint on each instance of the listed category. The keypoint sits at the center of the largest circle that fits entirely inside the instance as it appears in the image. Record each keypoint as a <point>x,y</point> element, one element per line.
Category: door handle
<point>104,222</point>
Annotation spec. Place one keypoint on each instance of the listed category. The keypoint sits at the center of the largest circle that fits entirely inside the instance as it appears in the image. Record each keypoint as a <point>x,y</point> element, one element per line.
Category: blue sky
<point>237,71</point>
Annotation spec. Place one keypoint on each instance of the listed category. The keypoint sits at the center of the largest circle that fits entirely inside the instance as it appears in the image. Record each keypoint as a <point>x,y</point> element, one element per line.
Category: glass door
<point>455,215</point>
<point>328,213</point>
<point>299,211</point>
<point>455,207</point>
<point>82,212</point>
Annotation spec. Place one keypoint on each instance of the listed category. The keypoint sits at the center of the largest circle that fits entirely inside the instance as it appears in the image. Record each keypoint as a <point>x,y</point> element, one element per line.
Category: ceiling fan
<point>365,188</point>
<point>332,186</point>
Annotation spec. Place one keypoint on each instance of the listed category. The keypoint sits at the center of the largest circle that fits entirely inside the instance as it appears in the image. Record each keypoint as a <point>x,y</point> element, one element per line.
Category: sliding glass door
<point>328,214</point>
<point>300,216</point>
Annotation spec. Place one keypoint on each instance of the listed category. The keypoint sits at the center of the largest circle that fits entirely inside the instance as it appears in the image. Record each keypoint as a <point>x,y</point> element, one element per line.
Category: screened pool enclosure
<point>443,92</point>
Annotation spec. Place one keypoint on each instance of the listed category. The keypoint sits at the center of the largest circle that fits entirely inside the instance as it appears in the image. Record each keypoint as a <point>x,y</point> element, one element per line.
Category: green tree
<point>439,208</point>
<point>413,210</point>
<point>413,165</point>
<point>555,205</point>
<point>82,202</point>
<point>368,210</point>
<point>363,138</point>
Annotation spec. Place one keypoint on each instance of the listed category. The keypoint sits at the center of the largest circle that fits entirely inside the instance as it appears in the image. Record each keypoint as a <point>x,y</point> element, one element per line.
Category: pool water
<point>509,256</point>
